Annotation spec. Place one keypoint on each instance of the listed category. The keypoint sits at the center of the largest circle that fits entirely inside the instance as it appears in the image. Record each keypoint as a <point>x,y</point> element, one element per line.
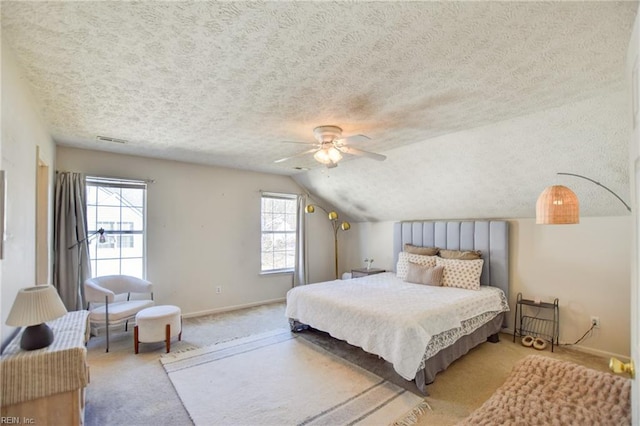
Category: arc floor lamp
<point>78,244</point>
<point>335,224</point>
<point>558,205</point>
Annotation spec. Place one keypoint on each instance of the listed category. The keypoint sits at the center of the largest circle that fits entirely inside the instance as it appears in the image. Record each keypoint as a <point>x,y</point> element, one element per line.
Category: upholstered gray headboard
<point>491,237</point>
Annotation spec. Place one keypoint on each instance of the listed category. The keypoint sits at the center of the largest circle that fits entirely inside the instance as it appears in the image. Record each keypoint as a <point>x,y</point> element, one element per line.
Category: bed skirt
<point>444,358</point>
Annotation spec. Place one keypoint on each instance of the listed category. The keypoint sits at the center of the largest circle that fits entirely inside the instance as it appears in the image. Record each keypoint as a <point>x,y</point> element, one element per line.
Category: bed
<point>419,329</point>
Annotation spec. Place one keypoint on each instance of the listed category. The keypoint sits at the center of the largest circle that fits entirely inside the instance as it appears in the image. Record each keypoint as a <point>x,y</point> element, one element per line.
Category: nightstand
<point>363,272</point>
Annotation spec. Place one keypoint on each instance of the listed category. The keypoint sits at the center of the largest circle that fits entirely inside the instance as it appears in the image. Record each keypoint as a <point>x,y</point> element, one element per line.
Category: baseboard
<point>232,308</point>
<point>581,348</point>
<point>597,352</point>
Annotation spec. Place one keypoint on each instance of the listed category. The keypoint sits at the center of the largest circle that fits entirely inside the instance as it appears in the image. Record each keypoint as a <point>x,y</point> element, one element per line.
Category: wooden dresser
<point>46,386</point>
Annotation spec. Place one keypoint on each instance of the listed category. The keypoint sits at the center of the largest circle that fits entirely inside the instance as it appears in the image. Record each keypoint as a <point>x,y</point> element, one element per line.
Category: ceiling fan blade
<point>301,143</point>
<point>353,139</point>
<point>297,155</point>
<point>355,151</point>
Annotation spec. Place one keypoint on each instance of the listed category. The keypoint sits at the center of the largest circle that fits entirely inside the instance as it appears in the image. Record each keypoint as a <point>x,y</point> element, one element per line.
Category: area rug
<point>276,378</point>
<point>544,391</point>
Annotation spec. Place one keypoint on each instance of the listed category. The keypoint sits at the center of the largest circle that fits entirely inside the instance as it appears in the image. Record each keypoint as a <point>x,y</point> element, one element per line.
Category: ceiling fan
<point>331,145</point>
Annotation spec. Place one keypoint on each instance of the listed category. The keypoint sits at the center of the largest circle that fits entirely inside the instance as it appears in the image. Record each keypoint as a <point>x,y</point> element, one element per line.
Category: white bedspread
<point>387,316</point>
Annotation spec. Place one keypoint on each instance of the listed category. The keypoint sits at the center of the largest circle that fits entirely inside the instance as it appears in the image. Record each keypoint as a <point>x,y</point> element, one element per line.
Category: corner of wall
<point>23,131</point>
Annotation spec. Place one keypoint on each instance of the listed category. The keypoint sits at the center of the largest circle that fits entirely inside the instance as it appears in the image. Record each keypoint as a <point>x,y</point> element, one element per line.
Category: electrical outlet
<point>595,322</point>
<point>218,289</point>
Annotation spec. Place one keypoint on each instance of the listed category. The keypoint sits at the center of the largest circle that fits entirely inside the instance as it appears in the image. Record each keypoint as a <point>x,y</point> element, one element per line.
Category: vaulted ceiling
<point>476,104</point>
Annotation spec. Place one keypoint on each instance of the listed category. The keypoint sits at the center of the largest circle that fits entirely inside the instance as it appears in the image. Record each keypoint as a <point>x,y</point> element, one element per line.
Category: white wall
<point>586,266</point>
<point>203,229</point>
<point>23,131</point>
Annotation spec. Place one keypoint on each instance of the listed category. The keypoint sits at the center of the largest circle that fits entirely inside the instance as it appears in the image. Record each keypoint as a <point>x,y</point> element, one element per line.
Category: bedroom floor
<point>134,389</point>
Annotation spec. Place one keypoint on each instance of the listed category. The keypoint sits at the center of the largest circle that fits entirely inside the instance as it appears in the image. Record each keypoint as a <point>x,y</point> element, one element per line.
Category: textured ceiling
<point>493,171</point>
<point>226,83</point>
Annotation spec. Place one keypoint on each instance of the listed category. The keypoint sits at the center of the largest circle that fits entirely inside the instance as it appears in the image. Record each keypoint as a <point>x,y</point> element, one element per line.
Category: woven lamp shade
<point>557,205</point>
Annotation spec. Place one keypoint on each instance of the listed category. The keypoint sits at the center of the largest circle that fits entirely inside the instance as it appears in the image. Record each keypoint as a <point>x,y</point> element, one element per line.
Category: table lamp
<point>32,307</point>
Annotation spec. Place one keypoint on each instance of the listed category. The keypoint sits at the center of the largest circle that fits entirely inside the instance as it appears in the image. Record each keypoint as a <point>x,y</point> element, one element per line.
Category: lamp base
<point>36,337</point>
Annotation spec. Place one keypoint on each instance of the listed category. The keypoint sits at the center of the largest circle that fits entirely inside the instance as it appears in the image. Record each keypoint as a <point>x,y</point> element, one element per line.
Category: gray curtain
<point>71,252</point>
<point>301,275</point>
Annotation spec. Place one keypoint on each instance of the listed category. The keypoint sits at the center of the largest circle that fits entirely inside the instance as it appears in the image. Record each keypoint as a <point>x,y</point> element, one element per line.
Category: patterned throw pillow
<point>419,274</point>
<point>461,273</point>
<point>403,262</point>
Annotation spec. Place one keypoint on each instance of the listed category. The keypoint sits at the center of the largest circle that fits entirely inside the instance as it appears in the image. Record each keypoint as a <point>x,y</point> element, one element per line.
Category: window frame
<point>99,181</point>
<point>277,196</point>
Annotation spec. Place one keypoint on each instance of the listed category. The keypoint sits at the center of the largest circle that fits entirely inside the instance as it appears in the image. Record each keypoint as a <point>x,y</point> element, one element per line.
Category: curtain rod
<point>91,176</point>
<point>262,191</point>
<point>107,178</point>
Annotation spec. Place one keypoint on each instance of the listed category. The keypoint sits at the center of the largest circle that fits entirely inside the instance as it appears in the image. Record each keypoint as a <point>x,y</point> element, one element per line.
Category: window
<point>118,207</point>
<point>279,217</point>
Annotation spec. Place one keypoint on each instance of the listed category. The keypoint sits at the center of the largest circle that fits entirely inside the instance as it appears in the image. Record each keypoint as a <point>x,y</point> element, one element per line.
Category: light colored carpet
<point>545,391</point>
<point>275,378</point>
<point>129,389</point>
<point>135,390</point>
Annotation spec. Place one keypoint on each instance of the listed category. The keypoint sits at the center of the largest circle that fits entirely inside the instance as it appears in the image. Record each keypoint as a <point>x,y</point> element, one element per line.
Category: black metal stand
<point>545,328</point>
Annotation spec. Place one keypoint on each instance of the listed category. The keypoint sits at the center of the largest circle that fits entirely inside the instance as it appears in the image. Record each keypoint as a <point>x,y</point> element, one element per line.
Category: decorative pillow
<point>403,262</point>
<point>419,274</point>
<point>424,251</point>
<point>461,273</point>
<point>461,254</point>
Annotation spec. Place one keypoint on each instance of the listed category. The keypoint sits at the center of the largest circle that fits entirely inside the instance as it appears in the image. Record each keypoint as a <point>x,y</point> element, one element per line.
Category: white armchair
<point>107,304</point>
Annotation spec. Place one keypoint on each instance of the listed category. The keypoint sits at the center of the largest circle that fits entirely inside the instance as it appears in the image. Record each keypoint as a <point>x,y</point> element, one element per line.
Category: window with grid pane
<point>279,233</point>
<point>118,207</point>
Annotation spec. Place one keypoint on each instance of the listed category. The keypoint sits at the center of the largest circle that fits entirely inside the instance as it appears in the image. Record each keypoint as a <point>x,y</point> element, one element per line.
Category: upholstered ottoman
<point>156,324</point>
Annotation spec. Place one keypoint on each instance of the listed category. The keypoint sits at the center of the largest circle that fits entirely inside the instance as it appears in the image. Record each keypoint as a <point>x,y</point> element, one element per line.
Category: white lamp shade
<point>327,155</point>
<point>322,156</point>
<point>35,305</point>
<point>557,205</point>
<point>334,155</point>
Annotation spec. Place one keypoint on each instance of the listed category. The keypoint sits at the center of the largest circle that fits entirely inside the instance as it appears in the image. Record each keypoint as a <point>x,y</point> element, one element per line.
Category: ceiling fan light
<point>334,154</point>
<point>322,156</point>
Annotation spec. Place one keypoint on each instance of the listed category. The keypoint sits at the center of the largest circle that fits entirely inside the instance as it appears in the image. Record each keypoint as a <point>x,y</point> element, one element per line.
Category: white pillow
<point>404,258</point>
<point>461,273</point>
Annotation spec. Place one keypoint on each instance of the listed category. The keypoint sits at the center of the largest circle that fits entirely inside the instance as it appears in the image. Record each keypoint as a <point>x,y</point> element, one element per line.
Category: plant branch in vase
<point>368,262</point>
